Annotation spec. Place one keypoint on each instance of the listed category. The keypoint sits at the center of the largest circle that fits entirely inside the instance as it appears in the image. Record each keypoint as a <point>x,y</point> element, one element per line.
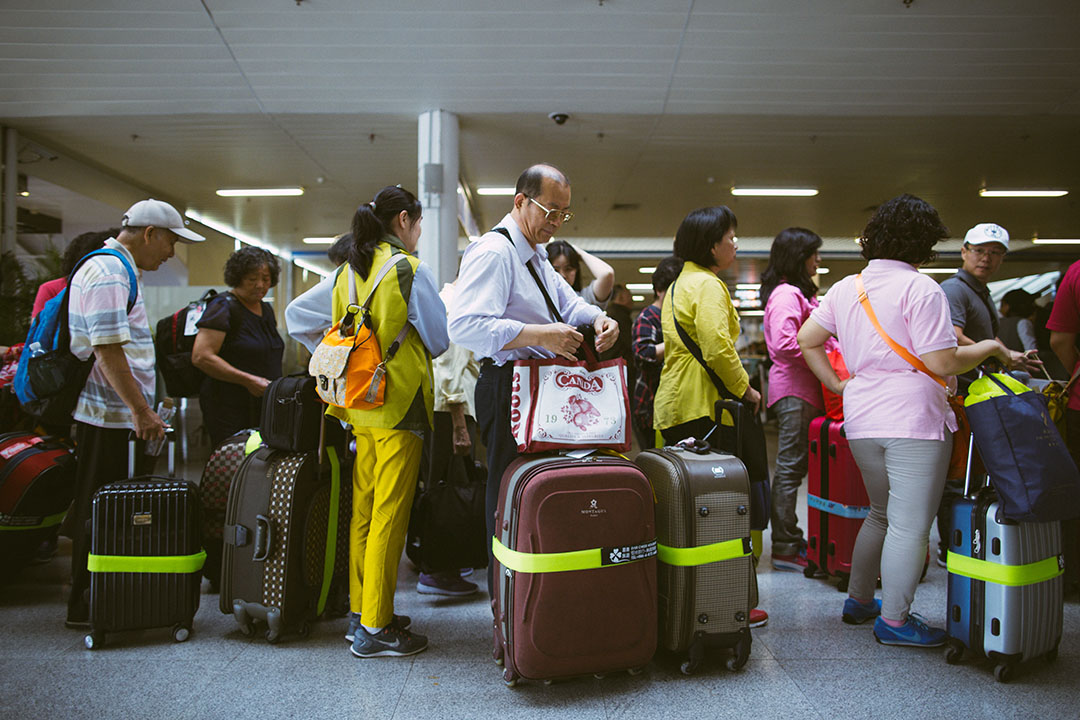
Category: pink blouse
<point>785,312</point>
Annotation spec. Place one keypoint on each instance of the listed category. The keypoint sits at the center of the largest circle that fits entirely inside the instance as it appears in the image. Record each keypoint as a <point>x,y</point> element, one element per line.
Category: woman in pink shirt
<point>789,294</point>
<point>896,418</point>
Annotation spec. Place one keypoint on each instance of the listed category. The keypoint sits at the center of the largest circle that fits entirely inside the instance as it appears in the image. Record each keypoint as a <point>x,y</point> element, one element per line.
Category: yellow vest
<point>702,303</point>
<point>408,399</point>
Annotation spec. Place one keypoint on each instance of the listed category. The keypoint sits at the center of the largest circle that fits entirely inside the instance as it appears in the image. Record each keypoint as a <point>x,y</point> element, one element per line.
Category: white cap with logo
<point>161,215</point>
<point>987,233</point>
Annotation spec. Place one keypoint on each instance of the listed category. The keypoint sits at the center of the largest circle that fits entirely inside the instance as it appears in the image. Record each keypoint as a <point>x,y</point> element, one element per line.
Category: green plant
<point>18,288</point>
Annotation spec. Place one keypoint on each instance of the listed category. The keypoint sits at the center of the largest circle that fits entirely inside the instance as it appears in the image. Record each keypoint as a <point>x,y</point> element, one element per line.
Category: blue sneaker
<point>401,621</point>
<point>856,613</point>
<point>913,633</point>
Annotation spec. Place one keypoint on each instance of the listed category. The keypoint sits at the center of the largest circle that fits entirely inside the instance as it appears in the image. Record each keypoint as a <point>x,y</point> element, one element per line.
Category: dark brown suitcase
<point>705,574</point>
<point>575,568</point>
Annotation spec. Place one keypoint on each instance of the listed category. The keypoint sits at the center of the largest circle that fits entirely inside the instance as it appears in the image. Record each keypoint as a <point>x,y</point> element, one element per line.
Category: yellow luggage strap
<point>155,564</point>
<point>574,560</point>
<point>47,521</point>
<point>1008,575</point>
<point>704,554</point>
<point>253,442</point>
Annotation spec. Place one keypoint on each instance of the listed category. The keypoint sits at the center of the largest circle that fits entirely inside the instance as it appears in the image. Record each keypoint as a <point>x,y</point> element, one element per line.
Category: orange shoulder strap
<point>899,349</point>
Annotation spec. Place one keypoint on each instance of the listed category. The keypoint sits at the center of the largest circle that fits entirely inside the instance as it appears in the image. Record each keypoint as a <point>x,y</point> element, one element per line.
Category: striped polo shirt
<point>98,316</point>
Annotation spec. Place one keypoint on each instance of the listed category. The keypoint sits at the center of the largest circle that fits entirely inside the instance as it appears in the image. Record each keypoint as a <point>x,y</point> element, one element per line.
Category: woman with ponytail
<point>388,437</point>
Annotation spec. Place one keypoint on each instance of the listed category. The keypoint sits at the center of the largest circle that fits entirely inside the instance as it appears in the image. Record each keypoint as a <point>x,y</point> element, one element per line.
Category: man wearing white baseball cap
<point>107,320</point>
<point>974,318</point>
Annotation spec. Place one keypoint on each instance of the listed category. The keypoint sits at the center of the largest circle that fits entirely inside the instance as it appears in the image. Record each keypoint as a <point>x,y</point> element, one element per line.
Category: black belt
<point>488,365</point>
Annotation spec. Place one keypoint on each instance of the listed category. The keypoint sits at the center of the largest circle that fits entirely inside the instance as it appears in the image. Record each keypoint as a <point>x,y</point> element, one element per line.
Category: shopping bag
<point>1028,462</point>
<point>559,404</point>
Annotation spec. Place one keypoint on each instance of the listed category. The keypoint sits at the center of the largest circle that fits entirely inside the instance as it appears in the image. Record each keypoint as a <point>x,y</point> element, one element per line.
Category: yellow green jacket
<point>408,399</point>
<point>702,304</point>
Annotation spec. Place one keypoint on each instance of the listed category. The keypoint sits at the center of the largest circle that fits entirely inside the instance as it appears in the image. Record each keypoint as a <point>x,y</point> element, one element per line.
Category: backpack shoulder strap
<point>133,281</point>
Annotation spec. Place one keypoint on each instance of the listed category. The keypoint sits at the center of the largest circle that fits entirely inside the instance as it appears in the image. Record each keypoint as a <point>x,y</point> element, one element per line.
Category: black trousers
<point>493,421</point>
<point>1070,529</point>
<point>101,456</point>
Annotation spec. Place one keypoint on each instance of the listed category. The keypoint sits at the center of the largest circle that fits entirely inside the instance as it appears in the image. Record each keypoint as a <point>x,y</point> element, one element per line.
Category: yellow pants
<point>384,482</point>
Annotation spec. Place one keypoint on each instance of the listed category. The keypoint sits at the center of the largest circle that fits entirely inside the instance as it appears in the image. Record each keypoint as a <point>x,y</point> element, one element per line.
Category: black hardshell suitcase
<point>276,562</point>
<point>145,555</point>
<point>292,414</point>
<point>705,575</point>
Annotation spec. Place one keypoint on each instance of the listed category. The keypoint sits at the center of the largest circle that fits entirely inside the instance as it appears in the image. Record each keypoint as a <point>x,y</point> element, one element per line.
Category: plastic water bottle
<point>35,349</point>
<point>165,411</point>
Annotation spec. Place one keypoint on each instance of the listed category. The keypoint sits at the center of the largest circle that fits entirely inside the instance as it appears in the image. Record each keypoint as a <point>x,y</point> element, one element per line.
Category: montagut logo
<point>584,384</point>
<point>718,471</point>
<point>593,509</point>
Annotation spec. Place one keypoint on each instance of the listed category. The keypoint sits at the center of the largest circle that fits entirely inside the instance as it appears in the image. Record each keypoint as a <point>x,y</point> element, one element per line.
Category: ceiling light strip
<point>773,192</point>
<point>496,191</point>
<point>261,192</point>
<point>984,192</point>
<point>1055,241</point>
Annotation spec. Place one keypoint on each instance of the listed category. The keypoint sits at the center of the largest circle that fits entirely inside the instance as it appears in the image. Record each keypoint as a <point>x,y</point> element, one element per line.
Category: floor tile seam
<point>404,684</point>
<point>801,690</point>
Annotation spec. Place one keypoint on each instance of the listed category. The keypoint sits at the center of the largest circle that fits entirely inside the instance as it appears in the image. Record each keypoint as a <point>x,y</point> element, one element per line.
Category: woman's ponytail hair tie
<point>372,204</point>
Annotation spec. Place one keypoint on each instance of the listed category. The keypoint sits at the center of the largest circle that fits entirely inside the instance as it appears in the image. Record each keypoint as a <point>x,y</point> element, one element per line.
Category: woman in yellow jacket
<point>686,397</point>
<point>389,437</point>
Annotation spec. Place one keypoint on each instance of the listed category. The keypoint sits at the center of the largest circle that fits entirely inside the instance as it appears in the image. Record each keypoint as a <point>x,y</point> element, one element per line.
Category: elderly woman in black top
<point>238,345</point>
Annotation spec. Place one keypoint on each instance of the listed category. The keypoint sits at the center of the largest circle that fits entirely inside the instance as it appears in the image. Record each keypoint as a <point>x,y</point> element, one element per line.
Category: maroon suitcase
<point>836,501</point>
<point>575,568</point>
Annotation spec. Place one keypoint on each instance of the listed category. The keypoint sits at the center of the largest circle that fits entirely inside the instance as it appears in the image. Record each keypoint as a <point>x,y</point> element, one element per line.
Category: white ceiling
<point>671,103</point>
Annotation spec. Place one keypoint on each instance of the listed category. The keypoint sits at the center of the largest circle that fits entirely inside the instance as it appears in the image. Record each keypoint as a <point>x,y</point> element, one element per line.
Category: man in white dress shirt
<point>501,314</point>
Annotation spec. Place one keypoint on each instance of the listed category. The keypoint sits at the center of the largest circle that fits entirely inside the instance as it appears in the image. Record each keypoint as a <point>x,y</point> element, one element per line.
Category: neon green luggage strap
<point>331,528</point>
<point>253,442</point>
<point>704,554</point>
<point>160,564</point>
<point>47,521</point>
<point>1009,575</point>
<point>574,560</point>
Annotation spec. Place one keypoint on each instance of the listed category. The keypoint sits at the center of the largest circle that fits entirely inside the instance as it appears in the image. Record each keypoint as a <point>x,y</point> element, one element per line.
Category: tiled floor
<point>804,664</point>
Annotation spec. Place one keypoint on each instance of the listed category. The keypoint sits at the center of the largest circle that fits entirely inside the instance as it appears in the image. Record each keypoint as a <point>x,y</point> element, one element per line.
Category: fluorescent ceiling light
<point>822,271</point>
<point>748,286</point>
<point>240,237</point>
<point>646,270</point>
<point>751,313</point>
<point>496,191</point>
<point>938,271</point>
<point>1053,241</point>
<point>774,192</point>
<point>637,298</point>
<point>261,192</point>
<point>319,240</point>
<point>639,287</point>
<point>1022,193</point>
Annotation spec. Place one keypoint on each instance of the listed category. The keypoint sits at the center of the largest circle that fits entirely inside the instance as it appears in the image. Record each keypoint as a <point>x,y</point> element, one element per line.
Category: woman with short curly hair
<point>238,346</point>
<point>896,417</point>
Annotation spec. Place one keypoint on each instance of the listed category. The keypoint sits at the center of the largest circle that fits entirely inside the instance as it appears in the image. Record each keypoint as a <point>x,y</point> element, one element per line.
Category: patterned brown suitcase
<point>575,568</point>
<point>217,476</point>
<point>283,540</point>
<point>706,578</point>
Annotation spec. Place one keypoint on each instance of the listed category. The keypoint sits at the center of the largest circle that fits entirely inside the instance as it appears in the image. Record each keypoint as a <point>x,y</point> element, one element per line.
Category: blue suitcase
<point>1005,586</point>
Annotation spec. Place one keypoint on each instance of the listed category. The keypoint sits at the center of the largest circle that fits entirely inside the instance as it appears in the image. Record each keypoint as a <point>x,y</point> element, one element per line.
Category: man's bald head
<point>531,182</point>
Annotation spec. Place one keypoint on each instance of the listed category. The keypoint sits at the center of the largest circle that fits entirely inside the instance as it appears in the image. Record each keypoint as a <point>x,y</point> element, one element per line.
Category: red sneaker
<point>758,618</point>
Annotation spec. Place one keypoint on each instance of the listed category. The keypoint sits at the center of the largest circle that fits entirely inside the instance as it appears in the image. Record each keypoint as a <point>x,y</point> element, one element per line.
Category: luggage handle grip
<point>263,538</point>
<point>170,441</point>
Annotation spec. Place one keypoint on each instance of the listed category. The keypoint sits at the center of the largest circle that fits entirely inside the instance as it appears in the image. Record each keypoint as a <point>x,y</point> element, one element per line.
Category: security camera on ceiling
<point>560,118</point>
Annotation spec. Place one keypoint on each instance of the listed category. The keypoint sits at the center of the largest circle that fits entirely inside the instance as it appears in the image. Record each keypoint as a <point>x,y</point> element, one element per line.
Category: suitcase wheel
<point>635,670</point>
<point>510,679</point>
<point>954,652</point>
<point>810,570</point>
<point>303,629</point>
<point>247,629</point>
<point>740,656</point>
<point>843,584</point>
<point>689,667</point>
<point>93,641</point>
<point>1003,673</point>
<point>180,633</point>
<point>273,637</point>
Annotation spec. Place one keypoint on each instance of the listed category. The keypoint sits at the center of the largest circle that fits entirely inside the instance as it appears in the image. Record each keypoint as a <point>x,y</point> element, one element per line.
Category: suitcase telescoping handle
<point>170,441</point>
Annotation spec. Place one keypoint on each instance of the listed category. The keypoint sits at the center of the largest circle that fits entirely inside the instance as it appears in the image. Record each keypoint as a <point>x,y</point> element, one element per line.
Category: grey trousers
<point>793,417</point>
<point>903,479</point>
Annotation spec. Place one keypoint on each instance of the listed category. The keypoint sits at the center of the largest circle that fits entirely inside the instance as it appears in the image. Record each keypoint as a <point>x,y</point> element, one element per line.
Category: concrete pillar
<point>437,161</point>
<point>11,182</point>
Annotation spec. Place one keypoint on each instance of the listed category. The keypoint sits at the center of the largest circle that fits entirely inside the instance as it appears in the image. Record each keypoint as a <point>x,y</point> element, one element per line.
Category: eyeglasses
<point>554,215</point>
<point>985,252</point>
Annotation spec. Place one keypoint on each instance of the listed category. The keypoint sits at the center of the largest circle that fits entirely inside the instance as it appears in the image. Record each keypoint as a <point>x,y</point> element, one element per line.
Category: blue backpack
<point>49,378</point>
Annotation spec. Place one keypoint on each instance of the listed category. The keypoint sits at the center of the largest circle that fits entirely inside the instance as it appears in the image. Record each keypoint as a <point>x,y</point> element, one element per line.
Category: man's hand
<point>148,425</point>
<point>607,332</point>
<point>462,441</point>
<point>561,339</point>
<point>752,398</point>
